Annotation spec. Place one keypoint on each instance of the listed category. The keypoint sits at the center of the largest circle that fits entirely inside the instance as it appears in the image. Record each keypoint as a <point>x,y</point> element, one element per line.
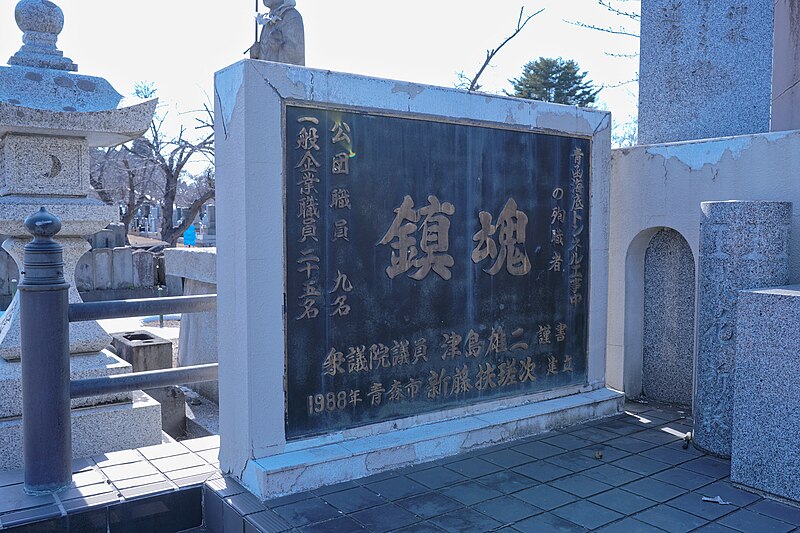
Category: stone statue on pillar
<point>282,37</point>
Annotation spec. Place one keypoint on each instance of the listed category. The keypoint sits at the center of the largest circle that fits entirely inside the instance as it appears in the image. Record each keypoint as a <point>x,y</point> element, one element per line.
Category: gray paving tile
<point>147,490</point>
<point>539,450</point>
<point>573,461</point>
<point>306,512</point>
<point>465,521</point>
<point>336,487</point>
<point>620,427</point>
<point>683,478</point>
<point>641,465</point>
<point>203,443</point>
<point>419,527</point>
<point>245,504</point>
<point>780,511</point>
<point>689,450</point>
<point>654,490</point>
<point>545,497</point>
<point>670,519</point>
<point>507,509</point>
<point>567,441</point>
<point>622,501</point>
<point>507,481</point>
<point>355,499</point>
<point>631,445</point>
<point>139,481</point>
<point>629,525</point>
<point>693,503</point>
<point>88,477</point>
<point>37,514</point>
<point>594,434</point>
<point>267,521</point>
<point>178,462</point>
<point>506,458</point>
<point>547,522</point>
<point>542,471</point>
<point>729,493</point>
<point>660,435</point>
<point>396,488</point>
<point>611,475</point>
<point>749,521</point>
<point>714,527</point>
<point>474,467</point>
<point>470,492</point>
<point>429,505</point>
<point>580,485</point>
<point>286,500</point>
<point>604,453</point>
<point>385,518</point>
<point>667,455</point>
<point>337,525</point>
<point>13,498</point>
<point>129,470</point>
<point>117,458</point>
<point>13,477</point>
<point>709,466</point>
<point>163,450</point>
<point>587,514</point>
<point>436,477</point>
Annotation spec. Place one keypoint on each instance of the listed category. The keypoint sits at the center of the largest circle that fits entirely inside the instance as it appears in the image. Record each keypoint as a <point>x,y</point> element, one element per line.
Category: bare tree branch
<point>619,31</point>
<point>473,82</point>
<point>629,14</point>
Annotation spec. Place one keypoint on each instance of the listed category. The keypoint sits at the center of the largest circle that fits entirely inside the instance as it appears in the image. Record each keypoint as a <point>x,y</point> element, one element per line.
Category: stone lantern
<point>50,116</point>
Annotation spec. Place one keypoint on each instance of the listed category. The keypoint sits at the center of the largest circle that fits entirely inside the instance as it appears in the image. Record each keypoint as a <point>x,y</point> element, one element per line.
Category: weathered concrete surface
<point>660,186</point>
<point>786,67</point>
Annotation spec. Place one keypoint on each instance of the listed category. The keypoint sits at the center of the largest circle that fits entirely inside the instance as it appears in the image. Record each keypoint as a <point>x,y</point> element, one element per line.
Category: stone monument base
<point>312,463</point>
<point>766,414</point>
<point>95,430</point>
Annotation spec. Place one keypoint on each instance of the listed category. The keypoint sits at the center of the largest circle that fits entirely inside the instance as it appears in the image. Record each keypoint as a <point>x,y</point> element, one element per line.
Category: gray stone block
<point>102,268</point>
<point>173,410</point>
<point>668,344</point>
<point>743,245</point>
<point>122,268</point>
<point>84,273</point>
<point>705,69</point>
<point>143,350</point>
<point>197,344</point>
<point>144,269</point>
<point>103,239</point>
<point>119,234</point>
<point>766,412</point>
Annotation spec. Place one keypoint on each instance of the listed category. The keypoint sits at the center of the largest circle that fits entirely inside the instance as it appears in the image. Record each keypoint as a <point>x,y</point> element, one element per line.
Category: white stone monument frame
<point>250,97</point>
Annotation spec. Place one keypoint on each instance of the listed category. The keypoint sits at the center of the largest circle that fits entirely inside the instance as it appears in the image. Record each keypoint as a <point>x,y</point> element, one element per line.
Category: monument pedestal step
<point>95,430</point>
<point>316,462</point>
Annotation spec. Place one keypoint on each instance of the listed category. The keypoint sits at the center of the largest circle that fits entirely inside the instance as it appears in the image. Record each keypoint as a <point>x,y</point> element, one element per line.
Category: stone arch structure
<point>660,287</point>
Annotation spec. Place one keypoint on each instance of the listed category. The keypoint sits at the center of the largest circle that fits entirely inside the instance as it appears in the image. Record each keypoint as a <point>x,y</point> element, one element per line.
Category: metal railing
<point>45,314</point>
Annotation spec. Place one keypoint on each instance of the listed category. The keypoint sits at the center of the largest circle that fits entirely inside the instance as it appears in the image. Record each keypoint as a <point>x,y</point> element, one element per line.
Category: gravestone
<point>705,69</point>
<point>668,350</point>
<point>743,245</point>
<point>437,283</point>
<point>122,268</point>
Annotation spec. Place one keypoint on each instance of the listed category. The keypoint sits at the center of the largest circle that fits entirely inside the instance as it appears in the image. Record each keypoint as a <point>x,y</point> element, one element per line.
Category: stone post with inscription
<point>705,69</point>
<point>743,245</point>
<point>50,116</point>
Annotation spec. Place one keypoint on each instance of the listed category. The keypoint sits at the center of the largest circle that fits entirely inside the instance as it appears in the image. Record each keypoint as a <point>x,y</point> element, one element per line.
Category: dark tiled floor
<point>627,474</point>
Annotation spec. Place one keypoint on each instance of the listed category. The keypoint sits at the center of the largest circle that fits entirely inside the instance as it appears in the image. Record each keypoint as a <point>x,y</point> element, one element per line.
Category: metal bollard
<point>44,325</point>
<point>161,295</point>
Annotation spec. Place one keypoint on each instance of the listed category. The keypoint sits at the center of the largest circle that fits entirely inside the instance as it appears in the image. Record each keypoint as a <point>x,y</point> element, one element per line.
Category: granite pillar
<point>766,411</point>
<point>705,69</point>
<point>743,245</point>
<point>786,67</point>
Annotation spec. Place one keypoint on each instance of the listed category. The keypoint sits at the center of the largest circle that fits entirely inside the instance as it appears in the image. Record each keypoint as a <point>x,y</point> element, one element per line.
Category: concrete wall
<point>661,186</point>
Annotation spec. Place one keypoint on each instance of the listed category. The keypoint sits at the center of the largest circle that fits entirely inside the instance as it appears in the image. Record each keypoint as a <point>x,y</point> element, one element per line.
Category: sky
<point>178,44</point>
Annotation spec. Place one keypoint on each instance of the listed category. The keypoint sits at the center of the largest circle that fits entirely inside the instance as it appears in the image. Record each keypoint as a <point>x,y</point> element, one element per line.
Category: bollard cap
<point>44,258</point>
<point>43,224</point>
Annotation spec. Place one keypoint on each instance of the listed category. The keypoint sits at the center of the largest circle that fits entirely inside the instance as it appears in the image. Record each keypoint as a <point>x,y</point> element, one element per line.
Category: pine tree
<point>555,80</point>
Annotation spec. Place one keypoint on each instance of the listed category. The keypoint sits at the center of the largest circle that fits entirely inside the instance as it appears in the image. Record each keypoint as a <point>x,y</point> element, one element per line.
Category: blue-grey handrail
<point>86,311</point>
<point>84,388</point>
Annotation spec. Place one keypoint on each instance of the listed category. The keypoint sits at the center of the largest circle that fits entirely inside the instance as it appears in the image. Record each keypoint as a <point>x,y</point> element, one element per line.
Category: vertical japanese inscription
<point>421,283</point>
